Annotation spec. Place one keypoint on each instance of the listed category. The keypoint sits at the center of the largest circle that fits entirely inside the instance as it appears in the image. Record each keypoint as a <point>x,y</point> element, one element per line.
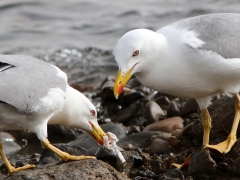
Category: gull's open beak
<point>97,133</point>
<point>121,81</point>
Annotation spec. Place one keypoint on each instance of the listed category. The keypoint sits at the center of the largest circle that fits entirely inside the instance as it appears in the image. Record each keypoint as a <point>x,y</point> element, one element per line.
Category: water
<point>56,30</point>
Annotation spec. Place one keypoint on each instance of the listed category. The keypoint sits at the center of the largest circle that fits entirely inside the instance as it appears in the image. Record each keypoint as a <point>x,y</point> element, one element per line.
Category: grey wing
<point>25,81</point>
<point>220,32</point>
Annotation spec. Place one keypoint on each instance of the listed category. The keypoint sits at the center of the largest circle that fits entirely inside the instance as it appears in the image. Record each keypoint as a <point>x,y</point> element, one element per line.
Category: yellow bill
<point>121,81</point>
<point>97,133</point>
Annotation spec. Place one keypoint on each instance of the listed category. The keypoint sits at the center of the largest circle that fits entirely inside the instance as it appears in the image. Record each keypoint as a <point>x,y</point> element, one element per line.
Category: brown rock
<point>237,166</point>
<point>187,129</point>
<point>153,111</point>
<point>202,163</point>
<point>190,106</point>
<point>165,125</point>
<point>174,174</point>
<point>159,146</point>
<point>158,166</point>
<point>134,129</point>
<point>142,139</point>
<point>173,141</point>
<point>90,168</point>
<point>177,133</point>
<point>163,102</point>
<point>172,110</point>
<point>126,113</point>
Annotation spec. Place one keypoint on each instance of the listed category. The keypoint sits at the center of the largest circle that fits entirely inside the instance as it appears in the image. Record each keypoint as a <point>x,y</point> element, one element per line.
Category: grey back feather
<point>24,80</point>
<point>220,32</point>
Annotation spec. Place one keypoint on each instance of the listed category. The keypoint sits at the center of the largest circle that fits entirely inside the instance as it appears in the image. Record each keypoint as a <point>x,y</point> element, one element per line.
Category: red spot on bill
<point>120,89</point>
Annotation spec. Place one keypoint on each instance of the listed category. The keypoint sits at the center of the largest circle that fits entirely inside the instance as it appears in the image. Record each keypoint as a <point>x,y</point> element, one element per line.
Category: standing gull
<point>196,58</point>
<point>34,93</point>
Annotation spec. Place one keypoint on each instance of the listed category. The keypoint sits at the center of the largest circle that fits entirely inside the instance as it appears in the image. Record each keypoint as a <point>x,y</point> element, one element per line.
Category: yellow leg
<point>10,168</point>
<point>225,146</point>
<point>206,123</point>
<point>63,155</point>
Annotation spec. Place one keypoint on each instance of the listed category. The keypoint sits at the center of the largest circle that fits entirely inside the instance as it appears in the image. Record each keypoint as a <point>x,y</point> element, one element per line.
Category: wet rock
<point>222,112</point>
<point>187,129</point>
<point>231,161</point>
<point>163,102</point>
<point>147,174</point>
<point>114,128</point>
<point>106,155</point>
<point>172,174</point>
<point>142,139</point>
<point>173,141</point>
<point>55,130</point>
<point>19,135</point>
<point>237,166</point>
<point>134,129</point>
<point>177,133</point>
<point>190,106</point>
<point>9,144</point>
<point>132,97</point>
<point>107,94</point>
<point>172,110</point>
<point>90,168</point>
<point>153,112</point>
<point>202,163</point>
<point>197,129</point>
<point>158,166</point>
<point>126,113</point>
<point>133,160</point>
<point>34,159</point>
<point>159,146</point>
<point>166,125</point>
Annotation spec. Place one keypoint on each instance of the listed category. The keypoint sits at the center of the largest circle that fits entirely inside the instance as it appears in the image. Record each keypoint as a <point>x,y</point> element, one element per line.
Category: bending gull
<point>34,93</point>
<point>193,58</point>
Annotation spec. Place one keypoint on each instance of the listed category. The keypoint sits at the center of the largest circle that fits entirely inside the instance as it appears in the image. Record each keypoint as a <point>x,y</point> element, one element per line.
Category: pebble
<point>177,133</point>
<point>187,129</point>
<point>237,166</point>
<point>174,174</point>
<point>134,129</point>
<point>189,107</point>
<point>153,112</point>
<point>173,110</point>
<point>132,97</point>
<point>173,141</point>
<point>126,113</point>
<point>163,102</point>
<point>158,166</point>
<point>166,125</point>
<point>142,139</point>
<point>159,146</point>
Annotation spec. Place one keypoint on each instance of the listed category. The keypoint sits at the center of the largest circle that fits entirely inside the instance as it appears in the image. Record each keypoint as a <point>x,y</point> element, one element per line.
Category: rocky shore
<point>154,131</point>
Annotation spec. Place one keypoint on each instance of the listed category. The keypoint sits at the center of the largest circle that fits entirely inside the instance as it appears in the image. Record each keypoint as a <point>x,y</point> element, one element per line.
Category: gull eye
<point>92,112</point>
<point>135,53</point>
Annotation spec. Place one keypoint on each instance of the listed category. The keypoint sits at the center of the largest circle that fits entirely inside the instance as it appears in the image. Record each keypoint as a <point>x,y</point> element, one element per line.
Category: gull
<point>198,58</point>
<point>34,93</point>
